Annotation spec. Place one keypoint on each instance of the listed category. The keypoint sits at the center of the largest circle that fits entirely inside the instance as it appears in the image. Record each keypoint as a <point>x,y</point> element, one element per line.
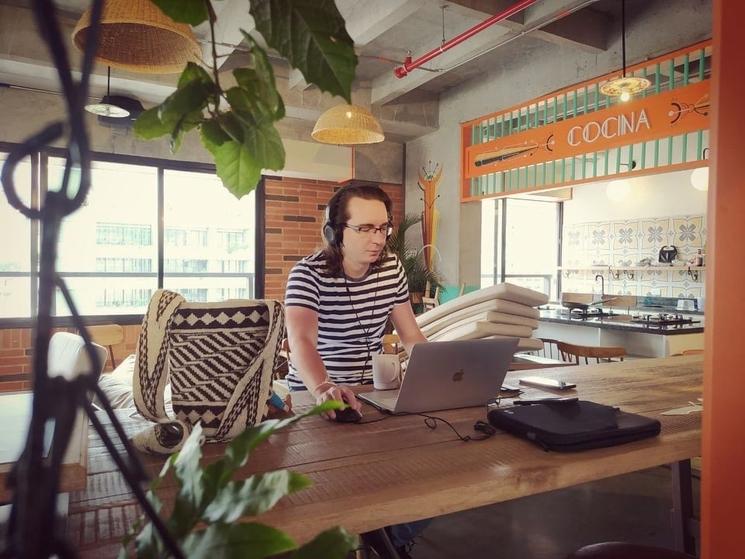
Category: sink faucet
<point>602,285</point>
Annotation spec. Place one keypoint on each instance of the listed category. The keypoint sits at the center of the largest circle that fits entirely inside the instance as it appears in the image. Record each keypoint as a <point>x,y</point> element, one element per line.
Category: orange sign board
<point>669,113</point>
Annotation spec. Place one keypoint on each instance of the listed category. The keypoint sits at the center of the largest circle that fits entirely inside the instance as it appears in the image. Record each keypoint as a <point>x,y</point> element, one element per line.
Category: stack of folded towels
<point>499,311</point>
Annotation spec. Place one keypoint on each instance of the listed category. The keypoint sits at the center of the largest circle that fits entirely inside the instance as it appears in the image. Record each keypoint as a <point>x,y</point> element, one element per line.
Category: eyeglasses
<point>386,229</point>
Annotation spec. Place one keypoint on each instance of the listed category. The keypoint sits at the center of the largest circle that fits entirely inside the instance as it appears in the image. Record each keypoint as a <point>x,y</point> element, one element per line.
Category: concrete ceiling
<point>384,32</point>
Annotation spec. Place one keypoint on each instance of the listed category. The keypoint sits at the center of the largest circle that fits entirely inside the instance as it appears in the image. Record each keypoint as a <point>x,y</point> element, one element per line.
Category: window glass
<point>208,234</point>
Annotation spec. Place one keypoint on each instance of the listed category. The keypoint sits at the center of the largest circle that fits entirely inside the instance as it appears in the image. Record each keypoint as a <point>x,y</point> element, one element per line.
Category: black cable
<point>364,330</point>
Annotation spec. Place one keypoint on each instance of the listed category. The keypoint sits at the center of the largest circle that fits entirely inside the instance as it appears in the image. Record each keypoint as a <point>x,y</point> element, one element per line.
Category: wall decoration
<point>428,183</point>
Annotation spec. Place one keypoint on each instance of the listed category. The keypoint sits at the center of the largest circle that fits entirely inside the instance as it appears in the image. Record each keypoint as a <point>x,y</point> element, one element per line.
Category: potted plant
<point>417,272</point>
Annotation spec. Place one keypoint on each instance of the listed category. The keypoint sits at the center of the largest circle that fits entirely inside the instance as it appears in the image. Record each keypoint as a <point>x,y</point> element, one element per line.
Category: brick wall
<point>294,216</point>
<point>16,355</point>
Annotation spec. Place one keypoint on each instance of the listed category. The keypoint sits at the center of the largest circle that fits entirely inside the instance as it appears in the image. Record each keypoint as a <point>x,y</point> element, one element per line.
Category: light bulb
<point>625,96</point>
<point>348,114</point>
<point>700,178</point>
<point>618,190</point>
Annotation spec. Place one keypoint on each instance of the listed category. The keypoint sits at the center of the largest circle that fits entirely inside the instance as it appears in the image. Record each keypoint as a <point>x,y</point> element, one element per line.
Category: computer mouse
<point>347,415</point>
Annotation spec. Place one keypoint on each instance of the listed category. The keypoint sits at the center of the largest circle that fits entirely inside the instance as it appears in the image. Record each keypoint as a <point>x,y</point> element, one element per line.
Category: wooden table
<point>15,415</point>
<point>371,475</point>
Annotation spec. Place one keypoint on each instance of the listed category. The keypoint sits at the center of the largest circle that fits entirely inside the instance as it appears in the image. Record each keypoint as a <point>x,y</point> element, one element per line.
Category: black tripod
<point>33,527</point>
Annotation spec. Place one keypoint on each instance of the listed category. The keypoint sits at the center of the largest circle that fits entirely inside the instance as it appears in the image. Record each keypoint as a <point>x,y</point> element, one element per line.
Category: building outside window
<point>527,232</point>
<point>108,249</point>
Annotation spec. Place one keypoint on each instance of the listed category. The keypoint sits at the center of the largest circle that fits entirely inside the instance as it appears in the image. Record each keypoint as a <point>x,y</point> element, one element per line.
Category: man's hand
<point>329,391</point>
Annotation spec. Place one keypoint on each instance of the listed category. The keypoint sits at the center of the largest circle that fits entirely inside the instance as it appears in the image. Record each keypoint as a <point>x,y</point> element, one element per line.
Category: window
<point>123,264</point>
<point>114,232</point>
<point>108,252</point>
<point>15,254</point>
<point>520,243</point>
<point>218,260</point>
<point>184,266</point>
<point>121,234</point>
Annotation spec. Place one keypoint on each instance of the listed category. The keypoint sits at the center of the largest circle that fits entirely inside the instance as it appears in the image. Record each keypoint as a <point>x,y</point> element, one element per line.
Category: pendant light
<point>347,125</point>
<point>625,86</point>
<point>108,106</point>
<point>137,36</point>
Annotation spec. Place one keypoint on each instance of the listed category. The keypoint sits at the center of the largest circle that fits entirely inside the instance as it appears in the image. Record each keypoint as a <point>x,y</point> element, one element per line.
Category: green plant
<point>209,498</point>
<point>416,269</point>
<point>237,125</point>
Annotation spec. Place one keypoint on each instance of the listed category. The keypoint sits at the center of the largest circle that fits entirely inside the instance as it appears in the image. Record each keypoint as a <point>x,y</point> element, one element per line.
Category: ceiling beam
<point>367,20</point>
<point>386,87</point>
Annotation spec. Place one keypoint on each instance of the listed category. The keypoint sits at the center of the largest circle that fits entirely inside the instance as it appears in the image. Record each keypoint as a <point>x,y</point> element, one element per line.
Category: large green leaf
<point>186,466</point>
<point>185,100</point>
<point>192,12</point>
<point>259,84</point>
<point>237,168</point>
<point>240,448</point>
<point>253,496</point>
<point>193,72</point>
<point>239,164</point>
<point>335,543</point>
<point>148,125</point>
<point>312,36</point>
<point>264,142</point>
<point>212,135</point>
<point>239,541</point>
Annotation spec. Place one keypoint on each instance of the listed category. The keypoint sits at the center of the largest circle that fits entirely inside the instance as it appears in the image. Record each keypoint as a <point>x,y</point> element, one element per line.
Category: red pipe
<point>410,65</point>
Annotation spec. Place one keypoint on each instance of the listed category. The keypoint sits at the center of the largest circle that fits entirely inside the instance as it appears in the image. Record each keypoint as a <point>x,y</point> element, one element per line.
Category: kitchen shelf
<point>635,268</point>
<point>628,271</point>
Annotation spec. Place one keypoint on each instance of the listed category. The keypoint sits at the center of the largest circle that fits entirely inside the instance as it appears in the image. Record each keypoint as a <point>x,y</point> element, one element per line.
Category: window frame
<point>39,175</point>
<point>499,272</point>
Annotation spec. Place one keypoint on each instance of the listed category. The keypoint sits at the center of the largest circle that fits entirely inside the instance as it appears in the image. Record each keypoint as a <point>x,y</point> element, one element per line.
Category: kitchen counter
<point>617,330</point>
<point>623,322</point>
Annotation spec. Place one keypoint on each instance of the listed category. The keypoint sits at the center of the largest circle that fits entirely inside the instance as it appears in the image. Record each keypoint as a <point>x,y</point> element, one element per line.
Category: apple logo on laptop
<point>458,376</point>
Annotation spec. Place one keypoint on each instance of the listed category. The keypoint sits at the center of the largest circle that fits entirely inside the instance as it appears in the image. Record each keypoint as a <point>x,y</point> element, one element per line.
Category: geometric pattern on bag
<point>220,361</point>
<point>219,358</point>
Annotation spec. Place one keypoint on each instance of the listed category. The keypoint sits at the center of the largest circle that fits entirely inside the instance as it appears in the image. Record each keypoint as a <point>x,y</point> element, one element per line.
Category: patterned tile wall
<point>624,243</point>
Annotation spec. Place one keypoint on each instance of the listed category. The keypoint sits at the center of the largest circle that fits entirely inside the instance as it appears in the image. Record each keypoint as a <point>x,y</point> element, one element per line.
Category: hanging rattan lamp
<point>137,36</point>
<point>624,87</point>
<point>347,125</point>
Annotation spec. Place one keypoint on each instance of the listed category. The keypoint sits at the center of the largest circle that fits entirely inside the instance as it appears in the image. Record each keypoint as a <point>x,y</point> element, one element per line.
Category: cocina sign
<point>668,113</point>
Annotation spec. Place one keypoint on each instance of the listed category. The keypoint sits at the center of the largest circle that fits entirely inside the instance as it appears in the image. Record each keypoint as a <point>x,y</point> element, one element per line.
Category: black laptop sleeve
<point>567,427</point>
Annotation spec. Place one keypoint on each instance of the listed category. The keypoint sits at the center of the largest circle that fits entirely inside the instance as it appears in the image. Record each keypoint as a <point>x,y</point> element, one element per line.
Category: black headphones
<point>332,229</point>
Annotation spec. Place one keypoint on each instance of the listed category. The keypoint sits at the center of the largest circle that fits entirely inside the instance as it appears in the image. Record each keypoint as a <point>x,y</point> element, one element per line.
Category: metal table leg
<point>684,524</point>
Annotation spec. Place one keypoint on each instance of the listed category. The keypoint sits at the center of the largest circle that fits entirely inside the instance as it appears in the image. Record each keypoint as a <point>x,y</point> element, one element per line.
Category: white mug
<point>386,370</point>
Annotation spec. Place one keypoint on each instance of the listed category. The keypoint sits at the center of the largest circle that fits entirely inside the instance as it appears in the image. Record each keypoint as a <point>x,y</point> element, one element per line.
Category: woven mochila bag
<point>219,358</point>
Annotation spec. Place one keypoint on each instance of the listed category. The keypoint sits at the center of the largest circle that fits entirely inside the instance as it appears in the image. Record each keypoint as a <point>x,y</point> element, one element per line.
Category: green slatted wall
<point>687,68</point>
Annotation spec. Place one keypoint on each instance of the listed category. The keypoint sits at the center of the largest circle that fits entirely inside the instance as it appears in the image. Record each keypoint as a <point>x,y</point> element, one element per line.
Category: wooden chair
<point>550,344</point>
<point>107,335</point>
<point>571,352</point>
<point>428,302</point>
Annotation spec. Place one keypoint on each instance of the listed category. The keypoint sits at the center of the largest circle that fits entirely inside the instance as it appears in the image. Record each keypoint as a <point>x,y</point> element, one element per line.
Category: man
<point>339,299</point>
<point>338,302</point>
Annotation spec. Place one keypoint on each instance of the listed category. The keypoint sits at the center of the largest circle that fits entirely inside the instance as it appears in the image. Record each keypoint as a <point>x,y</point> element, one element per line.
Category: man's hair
<point>336,217</point>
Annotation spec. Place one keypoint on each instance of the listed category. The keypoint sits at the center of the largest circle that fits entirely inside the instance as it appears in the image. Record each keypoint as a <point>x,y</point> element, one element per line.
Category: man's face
<point>364,247</point>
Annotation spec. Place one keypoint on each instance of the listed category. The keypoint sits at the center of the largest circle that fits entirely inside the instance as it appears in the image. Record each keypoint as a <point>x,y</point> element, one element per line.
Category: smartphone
<point>543,382</point>
<point>509,388</point>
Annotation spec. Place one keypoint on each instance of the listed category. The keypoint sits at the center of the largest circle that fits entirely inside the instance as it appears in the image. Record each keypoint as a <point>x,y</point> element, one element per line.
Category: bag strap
<point>236,416</point>
<point>151,371</point>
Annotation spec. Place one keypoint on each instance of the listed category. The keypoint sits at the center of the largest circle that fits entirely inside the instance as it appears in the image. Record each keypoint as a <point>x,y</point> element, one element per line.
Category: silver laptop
<point>447,375</point>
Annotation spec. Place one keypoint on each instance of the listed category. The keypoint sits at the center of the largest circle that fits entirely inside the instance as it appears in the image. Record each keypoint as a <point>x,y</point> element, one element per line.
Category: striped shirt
<point>352,314</point>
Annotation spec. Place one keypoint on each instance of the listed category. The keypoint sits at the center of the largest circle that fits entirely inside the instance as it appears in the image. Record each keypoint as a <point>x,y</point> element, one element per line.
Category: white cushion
<point>68,358</point>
